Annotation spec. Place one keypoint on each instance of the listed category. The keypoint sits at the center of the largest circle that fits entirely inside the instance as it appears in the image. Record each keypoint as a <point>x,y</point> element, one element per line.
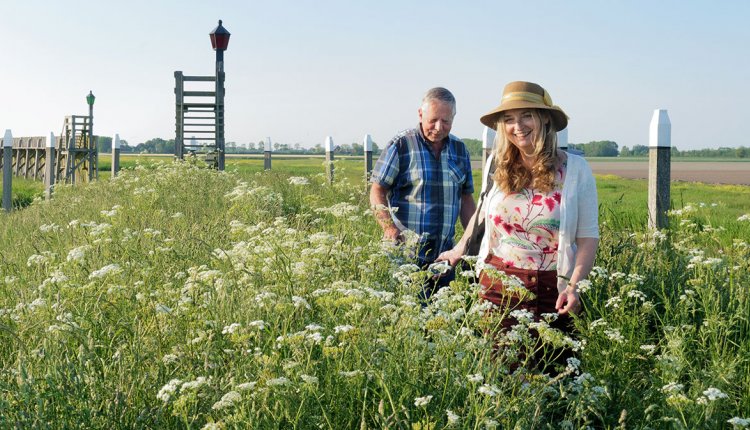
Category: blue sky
<point>298,71</point>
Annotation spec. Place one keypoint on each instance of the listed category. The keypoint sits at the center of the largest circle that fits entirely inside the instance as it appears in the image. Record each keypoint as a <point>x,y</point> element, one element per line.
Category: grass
<point>179,297</point>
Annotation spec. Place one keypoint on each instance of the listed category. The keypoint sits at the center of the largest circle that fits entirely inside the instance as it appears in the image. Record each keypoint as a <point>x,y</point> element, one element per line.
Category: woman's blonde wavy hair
<point>510,173</point>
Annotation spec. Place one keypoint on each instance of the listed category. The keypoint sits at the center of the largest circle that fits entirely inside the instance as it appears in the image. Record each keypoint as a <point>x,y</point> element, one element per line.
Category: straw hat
<point>524,95</point>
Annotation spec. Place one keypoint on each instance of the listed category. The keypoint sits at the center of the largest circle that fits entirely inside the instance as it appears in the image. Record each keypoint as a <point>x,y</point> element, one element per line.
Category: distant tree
<point>742,152</point>
<point>639,150</point>
<point>104,144</point>
<point>474,146</point>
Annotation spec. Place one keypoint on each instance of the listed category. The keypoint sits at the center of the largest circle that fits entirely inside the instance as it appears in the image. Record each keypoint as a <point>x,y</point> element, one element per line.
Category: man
<point>424,177</point>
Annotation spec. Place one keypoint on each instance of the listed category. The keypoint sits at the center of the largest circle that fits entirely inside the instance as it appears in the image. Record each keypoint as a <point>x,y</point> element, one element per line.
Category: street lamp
<point>219,41</point>
<point>90,98</point>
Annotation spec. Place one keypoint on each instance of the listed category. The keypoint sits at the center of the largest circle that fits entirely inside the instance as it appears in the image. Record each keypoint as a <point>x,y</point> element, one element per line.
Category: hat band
<point>527,97</point>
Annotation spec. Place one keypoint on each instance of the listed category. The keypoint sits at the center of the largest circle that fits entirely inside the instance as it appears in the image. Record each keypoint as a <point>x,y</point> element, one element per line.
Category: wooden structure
<point>75,154</point>
<point>200,115</point>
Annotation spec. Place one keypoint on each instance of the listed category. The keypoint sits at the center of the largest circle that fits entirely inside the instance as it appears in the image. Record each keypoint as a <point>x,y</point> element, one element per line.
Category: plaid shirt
<point>426,191</point>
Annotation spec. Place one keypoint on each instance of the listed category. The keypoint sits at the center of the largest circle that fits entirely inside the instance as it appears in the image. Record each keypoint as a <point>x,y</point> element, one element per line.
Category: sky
<point>298,71</point>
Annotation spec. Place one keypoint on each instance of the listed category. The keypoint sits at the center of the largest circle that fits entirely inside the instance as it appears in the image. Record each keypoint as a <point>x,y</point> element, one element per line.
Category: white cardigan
<point>579,215</point>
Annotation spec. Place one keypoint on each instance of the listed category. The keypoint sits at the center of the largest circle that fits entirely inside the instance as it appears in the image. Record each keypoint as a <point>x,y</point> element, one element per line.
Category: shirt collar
<point>447,140</point>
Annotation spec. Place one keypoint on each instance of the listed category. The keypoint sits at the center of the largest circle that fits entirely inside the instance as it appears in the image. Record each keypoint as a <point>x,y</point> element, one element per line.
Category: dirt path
<point>711,172</point>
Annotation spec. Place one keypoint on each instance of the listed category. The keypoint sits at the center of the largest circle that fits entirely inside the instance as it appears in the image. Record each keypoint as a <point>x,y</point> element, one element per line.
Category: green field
<point>179,297</point>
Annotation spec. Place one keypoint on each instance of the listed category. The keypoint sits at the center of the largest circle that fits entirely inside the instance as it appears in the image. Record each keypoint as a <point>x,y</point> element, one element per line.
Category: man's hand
<point>393,234</point>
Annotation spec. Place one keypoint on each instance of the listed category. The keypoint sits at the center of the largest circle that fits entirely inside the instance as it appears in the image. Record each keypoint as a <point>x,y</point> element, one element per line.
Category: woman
<point>541,220</point>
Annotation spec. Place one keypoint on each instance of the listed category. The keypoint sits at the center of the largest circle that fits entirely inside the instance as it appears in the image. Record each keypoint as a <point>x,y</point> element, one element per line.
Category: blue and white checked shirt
<point>426,191</point>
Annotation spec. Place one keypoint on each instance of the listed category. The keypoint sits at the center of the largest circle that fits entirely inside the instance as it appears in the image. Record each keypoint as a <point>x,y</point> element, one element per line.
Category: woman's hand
<point>568,301</point>
<point>451,256</point>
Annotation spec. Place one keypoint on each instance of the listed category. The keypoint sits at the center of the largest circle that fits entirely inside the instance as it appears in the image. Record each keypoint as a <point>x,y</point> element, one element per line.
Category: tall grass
<point>174,296</point>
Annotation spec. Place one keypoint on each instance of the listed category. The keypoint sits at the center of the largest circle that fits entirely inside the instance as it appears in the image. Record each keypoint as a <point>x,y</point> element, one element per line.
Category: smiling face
<point>436,118</point>
<point>522,128</point>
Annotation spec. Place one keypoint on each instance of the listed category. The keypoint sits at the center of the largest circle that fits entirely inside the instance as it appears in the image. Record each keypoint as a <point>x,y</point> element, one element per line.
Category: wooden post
<point>115,155</point>
<point>659,153</point>
<point>7,173</point>
<point>219,118</point>
<point>488,145</point>
<point>329,159</point>
<point>49,167</point>
<point>91,148</point>
<point>562,139</point>
<point>267,154</point>
<point>179,83</point>
<point>367,144</point>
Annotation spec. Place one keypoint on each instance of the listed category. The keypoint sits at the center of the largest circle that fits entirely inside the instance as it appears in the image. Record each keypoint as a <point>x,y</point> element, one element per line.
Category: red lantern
<point>219,38</point>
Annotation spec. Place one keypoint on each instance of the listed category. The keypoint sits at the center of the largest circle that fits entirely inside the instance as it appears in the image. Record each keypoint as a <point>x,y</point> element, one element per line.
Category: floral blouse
<point>524,226</point>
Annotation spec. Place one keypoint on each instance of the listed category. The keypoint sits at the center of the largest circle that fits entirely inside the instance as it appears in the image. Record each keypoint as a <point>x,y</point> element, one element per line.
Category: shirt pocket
<point>457,171</point>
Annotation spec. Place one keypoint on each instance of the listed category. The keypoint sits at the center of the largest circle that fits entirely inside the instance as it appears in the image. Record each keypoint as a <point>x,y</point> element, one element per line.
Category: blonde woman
<point>541,214</point>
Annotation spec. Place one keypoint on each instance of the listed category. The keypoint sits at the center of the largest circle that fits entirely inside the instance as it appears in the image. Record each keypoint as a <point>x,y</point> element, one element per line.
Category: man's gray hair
<point>439,94</point>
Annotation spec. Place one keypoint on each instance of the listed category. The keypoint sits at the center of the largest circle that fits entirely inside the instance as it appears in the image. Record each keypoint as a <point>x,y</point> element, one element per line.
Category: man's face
<point>436,118</point>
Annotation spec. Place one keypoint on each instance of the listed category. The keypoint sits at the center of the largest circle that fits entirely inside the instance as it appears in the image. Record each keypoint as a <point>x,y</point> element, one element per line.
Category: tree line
<point>599,148</point>
<point>162,146</point>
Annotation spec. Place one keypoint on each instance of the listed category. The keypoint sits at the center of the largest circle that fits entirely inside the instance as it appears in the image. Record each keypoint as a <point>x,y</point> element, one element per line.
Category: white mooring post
<point>329,159</point>
<point>7,170</point>
<point>49,167</point>
<point>367,144</point>
<point>562,139</point>
<point>267,154</point>
<point>488,144</point>
<point>115,155</point>
<point>659,153</point>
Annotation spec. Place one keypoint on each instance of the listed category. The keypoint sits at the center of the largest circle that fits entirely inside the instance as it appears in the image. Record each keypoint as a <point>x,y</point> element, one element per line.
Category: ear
<point>420,114</point>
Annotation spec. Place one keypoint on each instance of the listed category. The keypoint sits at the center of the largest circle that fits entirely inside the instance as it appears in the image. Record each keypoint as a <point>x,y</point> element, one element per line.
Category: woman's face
<point>522,126</point>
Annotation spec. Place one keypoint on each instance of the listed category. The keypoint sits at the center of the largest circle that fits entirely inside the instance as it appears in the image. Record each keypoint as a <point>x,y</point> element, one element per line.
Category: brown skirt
<point>543,285</point>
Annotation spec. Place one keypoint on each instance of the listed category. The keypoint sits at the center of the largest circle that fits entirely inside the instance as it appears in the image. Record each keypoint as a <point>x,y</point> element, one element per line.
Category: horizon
<point>298,72</point>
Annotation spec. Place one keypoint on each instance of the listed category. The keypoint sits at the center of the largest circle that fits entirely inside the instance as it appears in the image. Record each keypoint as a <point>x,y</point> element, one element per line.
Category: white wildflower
<point>298,180</point>
<point>227,400</point>
<point>110,269</point>
<point>246,386</point>
<point>453,418</point>
<point>170,388</point>
<point>259,324</point>
<point>422,401</point>
<point>79,253</point>
<point>739,422</point>
<point>194,385</point>
<point>342,328</point>
<point>308,379</point>
<point>488,390</point>
<point>475,378</point>
<point>278,382</point>
<point>614,335</point>
<point>232,328</point>
<point>300,302</point>
<point>672,387</point>
<point>714,394</point>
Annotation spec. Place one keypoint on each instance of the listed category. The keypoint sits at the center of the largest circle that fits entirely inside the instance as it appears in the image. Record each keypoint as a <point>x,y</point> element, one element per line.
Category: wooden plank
<point>199,93</point>
<point>199,78</point>
<point>199,131</point>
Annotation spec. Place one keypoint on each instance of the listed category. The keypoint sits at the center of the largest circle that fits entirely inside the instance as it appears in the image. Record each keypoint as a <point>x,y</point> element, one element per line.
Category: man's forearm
<point>379,205</point>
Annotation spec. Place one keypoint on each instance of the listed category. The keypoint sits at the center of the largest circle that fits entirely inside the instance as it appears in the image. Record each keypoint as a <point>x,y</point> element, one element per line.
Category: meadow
<point>174,296</point>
